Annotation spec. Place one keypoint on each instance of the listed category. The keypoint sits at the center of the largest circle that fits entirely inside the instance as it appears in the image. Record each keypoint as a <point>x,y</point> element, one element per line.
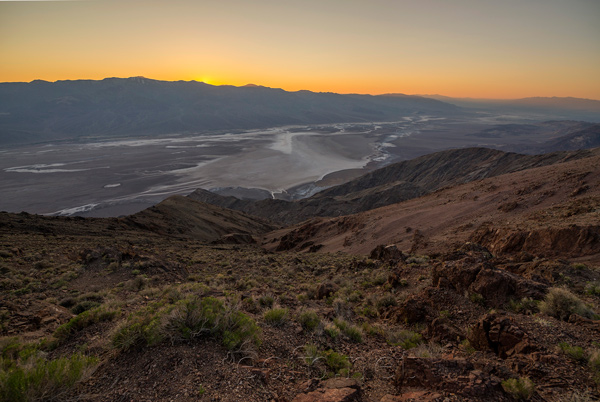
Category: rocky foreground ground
<point>106,313</point>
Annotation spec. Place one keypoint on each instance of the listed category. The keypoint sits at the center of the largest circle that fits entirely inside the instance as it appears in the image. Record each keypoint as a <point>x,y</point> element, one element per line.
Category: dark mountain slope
<point>394,183</point>
<point>549,211</point>
<point>181,216</point>
<point>44,111</point>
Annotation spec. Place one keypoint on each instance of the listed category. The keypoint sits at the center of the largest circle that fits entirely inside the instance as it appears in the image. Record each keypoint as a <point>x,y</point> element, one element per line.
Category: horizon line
<point>309,90</point>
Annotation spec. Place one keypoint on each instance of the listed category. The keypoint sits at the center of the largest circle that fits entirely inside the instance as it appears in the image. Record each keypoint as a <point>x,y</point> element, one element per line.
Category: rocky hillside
<point>183,217</point>
<point>392,184</point>
<point>484,291</point>
<point>548,211</point>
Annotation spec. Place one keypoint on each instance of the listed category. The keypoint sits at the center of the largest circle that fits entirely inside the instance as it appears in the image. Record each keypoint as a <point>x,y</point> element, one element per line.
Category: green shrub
<point>561,303</point>
<point>519,388</point>
<point>594,360</point>
<point>276,316</point>
<point>524,306</point>
<point>477,298</point>
<point>266,301</point>
<point>311,354</point>
<point>352,332</point>
<point>188,319</point>
<point>574,352</point>
<point>593,288</point>
<point>405,338</point>
<point>332,331</point>
<point>41,379</point>
<point>84,320</point>
<point>309,320</point>
<point>84,306</point>
<point>336,361</point>
<point>385,301</point>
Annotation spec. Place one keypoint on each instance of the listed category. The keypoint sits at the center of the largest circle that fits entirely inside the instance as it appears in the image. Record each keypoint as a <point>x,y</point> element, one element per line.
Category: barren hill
<point>182,216</point>
<point>391,184</point>
<point>548,210</point>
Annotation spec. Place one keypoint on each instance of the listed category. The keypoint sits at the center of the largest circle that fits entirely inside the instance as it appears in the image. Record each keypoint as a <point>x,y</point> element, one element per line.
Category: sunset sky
<point>461,48</point>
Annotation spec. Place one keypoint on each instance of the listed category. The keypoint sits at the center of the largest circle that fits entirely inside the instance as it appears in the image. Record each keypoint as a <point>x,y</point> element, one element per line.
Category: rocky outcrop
<point>574,241</point>
<point>326,289</point>
<point>456,376</point>
<point>443,330</point>
<point>501,335</point>
<point>497,286</point>
<point>333,390</point>
<point>389,254</point>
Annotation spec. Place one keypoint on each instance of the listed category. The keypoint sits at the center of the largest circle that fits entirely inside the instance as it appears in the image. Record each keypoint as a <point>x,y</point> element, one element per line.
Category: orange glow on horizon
<point>465,48</point>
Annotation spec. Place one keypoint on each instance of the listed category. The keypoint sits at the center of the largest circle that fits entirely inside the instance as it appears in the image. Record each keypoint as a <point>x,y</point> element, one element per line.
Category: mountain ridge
<point>46,111</point>
<point>391,184</point>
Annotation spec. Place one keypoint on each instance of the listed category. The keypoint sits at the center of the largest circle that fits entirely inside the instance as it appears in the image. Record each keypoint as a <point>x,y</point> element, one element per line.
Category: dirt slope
<point>182,216</point>
<point>546,205</point>
<point>392,184</point>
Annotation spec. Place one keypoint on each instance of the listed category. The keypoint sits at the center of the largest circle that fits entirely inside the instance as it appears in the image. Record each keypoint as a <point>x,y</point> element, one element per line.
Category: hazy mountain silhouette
<point>555,107</point>
<point>42,111</point>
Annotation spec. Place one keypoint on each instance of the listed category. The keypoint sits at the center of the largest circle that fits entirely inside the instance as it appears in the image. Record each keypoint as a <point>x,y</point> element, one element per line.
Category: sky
<point>458,48</point>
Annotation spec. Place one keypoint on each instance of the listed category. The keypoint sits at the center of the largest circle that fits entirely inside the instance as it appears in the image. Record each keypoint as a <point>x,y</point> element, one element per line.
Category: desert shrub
<point>139,329</point>
<point>519,388</point>
<point>41,379</point>
<point>331,331</point>
<point>574,352</point>
<point>336,361</point>
<point>352,332</point>
<point>68,302</point>
<point>594,360</point>
<point>427,350</point>
<point>309,320</point>
<point>276,316</point>
<point>84,306</point>
<point>191,318</point>
<point>84,320</point>
<point>405,338</point>
<point>593,288</point>
<point>185,320</point>
<point>525,306</point>
<point>477,298</point>
<point>355,296</point>
<point>561,303</point>
<point>311,354</point>
<point>385,301</point>
<point>266,301</point>
<point>250,305</point>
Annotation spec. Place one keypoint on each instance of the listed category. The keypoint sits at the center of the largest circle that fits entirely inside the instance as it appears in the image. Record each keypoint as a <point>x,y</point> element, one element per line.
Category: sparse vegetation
<point>352,332</point>
<point>519,388</point>
<point>405,338</point>
<point>309,320</point>
<point>574,352</point>
<point>188,319</point>
<point>276,316</point>
<point>84,320</point>
<point>31,377</point>
<point>561,303</point>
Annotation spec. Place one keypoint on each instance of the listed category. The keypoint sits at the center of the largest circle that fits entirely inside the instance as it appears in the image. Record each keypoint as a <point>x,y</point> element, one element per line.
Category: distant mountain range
<point>561,107</point>
<point>44,111</point>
